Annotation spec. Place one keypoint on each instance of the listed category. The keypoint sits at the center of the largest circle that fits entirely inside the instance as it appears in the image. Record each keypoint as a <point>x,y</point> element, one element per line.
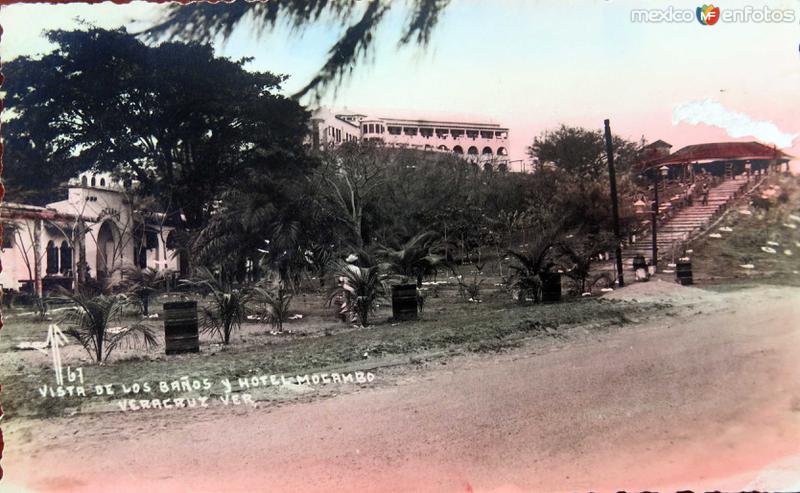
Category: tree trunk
<point>37,258</point>
<point>146,303</point>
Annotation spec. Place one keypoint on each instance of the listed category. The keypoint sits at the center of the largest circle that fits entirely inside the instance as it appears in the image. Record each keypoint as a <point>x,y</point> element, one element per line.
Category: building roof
<point>719,151</point>
<point>12,210</point>
<point>440,123</point>
<point>658,143</point>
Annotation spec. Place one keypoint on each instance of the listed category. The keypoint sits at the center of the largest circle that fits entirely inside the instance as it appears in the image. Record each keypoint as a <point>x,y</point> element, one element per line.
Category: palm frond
<point>204,22</point>
<point>89,322</point>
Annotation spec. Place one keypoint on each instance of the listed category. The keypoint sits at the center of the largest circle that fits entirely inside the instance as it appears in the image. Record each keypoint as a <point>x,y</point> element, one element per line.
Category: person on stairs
<point>705,193</point>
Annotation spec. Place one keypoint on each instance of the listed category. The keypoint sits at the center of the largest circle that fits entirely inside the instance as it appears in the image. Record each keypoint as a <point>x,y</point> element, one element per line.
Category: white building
<point>95,233</point>
<point>482,142</point>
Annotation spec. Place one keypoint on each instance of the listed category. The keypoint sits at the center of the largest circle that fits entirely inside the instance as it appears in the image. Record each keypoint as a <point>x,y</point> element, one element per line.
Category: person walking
<point>690,194</point>
<point>705,193</point>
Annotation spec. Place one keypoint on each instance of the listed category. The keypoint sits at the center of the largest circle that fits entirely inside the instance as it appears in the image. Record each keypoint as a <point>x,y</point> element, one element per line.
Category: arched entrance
<point>173,247</point>
<point>107,237</point>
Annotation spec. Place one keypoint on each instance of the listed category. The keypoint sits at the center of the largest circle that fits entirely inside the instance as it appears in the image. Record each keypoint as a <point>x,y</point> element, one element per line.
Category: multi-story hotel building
<point>482,142</point>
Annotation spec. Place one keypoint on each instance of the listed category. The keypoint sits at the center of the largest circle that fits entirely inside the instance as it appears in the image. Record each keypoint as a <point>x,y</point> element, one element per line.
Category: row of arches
<point>94,182</point>
<point>59,258</point>
<point>473,151</point>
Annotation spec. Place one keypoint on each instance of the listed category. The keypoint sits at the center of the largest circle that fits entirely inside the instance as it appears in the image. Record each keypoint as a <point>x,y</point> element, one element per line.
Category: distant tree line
<point>225,156</point>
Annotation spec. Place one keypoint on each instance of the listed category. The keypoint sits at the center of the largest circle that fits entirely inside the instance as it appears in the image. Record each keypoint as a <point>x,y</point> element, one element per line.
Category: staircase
<point>691,219</point>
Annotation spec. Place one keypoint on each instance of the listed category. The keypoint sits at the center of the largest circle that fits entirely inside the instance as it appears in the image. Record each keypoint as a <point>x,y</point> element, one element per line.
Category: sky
<point>530,65</point>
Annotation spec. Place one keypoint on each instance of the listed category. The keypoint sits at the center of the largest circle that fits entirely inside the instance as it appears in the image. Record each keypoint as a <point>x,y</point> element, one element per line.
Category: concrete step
<point>686,221</point>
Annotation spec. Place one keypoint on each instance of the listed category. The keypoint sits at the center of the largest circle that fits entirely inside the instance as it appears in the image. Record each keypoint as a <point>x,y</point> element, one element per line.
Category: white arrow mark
<point>55,338</point>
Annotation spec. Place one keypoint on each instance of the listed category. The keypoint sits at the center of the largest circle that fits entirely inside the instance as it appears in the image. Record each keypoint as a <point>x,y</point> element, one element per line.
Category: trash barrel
<point>683,272</point>
<point>551,287</point>
<point>404,302</point>
<point>180,327</point>
<point>640,268</point>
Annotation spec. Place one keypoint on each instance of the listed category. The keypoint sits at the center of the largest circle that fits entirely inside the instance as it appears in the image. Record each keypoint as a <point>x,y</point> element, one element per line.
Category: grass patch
<point>446,327</point>
<point>721,259</point>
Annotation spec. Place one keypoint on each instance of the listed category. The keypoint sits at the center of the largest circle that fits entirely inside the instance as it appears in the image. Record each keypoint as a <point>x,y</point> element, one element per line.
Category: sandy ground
<point>706,399</point>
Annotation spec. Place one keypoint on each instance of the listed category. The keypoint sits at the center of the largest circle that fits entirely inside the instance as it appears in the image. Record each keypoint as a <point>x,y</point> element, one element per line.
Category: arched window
<point>94,181</point>
<point>66,257</point>
<point>487,151</point>
<point>102,182</point>
<point>487,167</point>
<point>443,148</point>
<point>52,258</point>
<point>501,151</point>
<point>84,181</point>
<point>472,151</point>
<point>458,150</point>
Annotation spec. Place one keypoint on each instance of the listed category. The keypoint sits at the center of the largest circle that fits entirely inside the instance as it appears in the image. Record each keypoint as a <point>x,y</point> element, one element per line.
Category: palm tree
<point>143,283</point>
<point>359,290</point>
<point>90,323</point>
<point>580,253</point>
<point>227,308</point>
<point>283,254</point>
<point>531,267</point>
<point>417,258</point>
<point>274,302</point>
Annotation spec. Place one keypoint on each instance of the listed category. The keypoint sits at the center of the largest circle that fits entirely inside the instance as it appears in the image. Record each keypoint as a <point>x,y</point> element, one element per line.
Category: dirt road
<point>708,398</point>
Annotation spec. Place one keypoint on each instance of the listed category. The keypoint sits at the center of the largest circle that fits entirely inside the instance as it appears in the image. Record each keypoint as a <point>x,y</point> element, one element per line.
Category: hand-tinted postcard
<point>423,246</point>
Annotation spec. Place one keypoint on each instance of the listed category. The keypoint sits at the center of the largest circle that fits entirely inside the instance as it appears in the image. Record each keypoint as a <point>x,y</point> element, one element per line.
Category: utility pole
<point>656,172</point>
<point>612,178</point>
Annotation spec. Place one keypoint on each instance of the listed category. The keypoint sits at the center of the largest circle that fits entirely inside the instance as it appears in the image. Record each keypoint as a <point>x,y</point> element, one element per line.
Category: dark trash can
<point>180,327</point>
<point>683,272</point>
<point>640,268</point>
<point>639,263</point>
<point>551,287</point>
<point>404,302</point>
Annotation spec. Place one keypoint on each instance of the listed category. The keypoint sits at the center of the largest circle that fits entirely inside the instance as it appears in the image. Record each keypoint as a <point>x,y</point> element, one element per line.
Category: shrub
<point>227,307</point>
<point>90,324</point>
<point>579,253</point>
<point>142,284</point>
<point>530,268</point>
<point>417,258</point>
<point>358,292</point>
<point>273,304</point>
<point>470,290</point>
<point>761,203</point>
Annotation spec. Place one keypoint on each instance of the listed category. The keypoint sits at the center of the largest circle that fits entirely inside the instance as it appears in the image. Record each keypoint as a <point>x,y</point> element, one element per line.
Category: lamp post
<point>657,172</point>
<point>614,202</point>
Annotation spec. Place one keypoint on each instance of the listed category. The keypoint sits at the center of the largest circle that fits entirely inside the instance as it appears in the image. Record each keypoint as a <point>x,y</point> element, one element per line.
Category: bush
<point>358,292</point>
<point>273,304</point>
<point>227,308</point>
<point>142,284</point>
<point>90,324</point>
<point>761,203</point>
<point>530,268</point>
<point>419,257</point>
<point>470,291</point>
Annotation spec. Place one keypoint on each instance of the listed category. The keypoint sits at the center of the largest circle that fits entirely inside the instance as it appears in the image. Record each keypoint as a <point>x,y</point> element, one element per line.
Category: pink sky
<point>531,66</point>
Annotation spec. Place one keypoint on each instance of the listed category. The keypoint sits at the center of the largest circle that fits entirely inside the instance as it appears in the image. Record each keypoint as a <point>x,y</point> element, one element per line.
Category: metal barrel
<point>404,302</point>
<point>551,287</point>
<point>683,272</point>
<point>180,327</point>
